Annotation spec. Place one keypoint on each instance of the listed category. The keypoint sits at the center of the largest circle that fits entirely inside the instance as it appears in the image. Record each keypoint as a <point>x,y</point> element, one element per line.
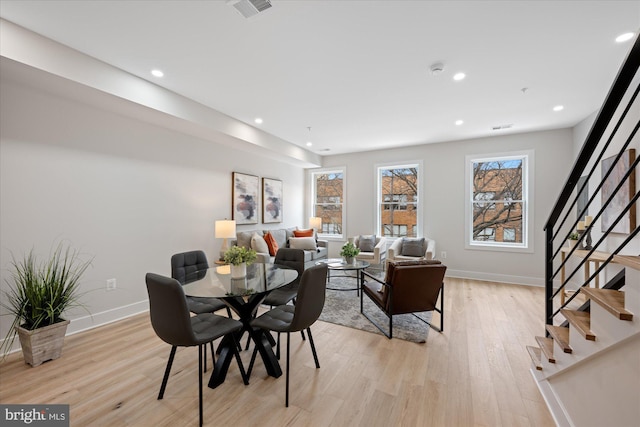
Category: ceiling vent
<point>249,8</point>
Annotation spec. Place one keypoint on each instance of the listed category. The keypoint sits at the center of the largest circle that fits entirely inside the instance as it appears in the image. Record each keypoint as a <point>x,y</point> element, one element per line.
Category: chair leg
<point>286,401</point>
<point>229,313</point>
<point>200,350</point>
<point>205,358</point>
<point>167,371</point>
<point>278,347</point>
<point>313,348</point>
<point>303,338</point>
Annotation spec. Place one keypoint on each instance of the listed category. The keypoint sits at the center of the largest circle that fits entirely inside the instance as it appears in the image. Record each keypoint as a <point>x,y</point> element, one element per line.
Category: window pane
<point>398,211</point>
<point>500,182</point>
<point>328,205</point>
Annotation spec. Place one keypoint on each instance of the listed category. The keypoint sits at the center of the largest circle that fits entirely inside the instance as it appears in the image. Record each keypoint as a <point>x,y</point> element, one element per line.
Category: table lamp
<point>225,229</point>
<point>315,222</point>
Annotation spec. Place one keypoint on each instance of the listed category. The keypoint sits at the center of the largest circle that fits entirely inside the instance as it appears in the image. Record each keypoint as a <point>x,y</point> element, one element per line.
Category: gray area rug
<point>342,307</point>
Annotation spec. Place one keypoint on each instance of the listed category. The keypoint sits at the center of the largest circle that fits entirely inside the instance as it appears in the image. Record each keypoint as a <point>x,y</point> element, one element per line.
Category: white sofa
<point>395,251</point>
<point>379,253</point>
<point>282,236</point>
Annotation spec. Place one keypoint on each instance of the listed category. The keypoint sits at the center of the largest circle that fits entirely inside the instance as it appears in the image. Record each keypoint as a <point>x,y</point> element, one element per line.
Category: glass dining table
<point>243,295</point>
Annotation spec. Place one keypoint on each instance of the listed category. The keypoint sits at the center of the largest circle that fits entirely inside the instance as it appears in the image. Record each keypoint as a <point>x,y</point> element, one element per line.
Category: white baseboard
<point>85,323</point>
<point>555,406</point>
<point>492,277</point>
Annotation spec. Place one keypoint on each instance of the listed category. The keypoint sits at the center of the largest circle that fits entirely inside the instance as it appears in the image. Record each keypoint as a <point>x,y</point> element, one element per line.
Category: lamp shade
<point>315,222</point>
<point>225,229</point>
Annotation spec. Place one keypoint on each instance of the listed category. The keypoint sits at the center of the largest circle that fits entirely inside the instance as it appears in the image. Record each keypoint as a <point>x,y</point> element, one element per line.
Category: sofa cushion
<point>367,243</point>
<point>280,236</point>
<point>271,243</point>
<point>306,243</point>
<point>303,233</point>
<point>258,244</point>
<point>243,238</point>
<point>412,246</point>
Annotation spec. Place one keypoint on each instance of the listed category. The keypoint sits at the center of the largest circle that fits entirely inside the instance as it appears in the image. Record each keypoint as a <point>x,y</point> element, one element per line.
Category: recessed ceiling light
<point>157,73</point>
<point>624,37</point>
<point>459,76</point>
<point>558,108</point>
<point>459,122</point>
<point>309,143</point>
<point>258,120</point>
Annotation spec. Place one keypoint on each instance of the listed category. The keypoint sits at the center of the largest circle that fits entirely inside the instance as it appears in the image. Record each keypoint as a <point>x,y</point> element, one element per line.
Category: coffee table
<point>338,264</point>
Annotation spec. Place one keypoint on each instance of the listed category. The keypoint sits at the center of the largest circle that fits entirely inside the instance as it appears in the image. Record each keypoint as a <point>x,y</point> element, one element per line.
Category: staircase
<point>587,360</point>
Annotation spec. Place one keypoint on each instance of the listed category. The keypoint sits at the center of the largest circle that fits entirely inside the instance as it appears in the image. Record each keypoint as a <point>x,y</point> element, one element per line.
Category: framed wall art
<point>271,200</point>
<point>244,193</point>
<point>583,198</point>
<point>624,195</point>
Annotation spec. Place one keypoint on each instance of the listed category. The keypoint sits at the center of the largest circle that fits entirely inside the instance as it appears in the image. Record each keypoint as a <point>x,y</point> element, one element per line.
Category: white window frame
<point>378,195</point>
<point>312,210</point>
<point>528,167</point>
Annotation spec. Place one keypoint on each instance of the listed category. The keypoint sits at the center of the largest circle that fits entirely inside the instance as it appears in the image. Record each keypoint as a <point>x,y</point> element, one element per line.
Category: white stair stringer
<point>599,382</point>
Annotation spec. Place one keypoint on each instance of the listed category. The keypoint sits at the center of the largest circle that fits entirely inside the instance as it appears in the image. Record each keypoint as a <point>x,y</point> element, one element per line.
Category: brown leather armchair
<point>409,287</point>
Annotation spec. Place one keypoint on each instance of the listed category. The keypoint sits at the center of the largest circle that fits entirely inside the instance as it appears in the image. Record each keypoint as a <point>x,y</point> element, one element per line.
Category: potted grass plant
<point>39,293</point>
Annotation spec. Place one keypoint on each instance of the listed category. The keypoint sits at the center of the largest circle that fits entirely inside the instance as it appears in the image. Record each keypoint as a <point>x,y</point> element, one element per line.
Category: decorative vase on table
<point>349,260</point>
<point>239,271</point>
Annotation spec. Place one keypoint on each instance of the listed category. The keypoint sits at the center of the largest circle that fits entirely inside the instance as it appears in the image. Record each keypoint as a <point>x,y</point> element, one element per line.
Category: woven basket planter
<point>42,344</point>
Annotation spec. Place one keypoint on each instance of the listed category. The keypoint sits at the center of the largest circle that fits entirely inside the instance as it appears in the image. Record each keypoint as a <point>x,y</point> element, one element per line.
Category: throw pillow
<point>243,238</point>
<point>305,243</point>
<point>271,243</point>
<point>258,244</point>
<point>367,243</point>
<point>412,246</point>
<point>303,233</point>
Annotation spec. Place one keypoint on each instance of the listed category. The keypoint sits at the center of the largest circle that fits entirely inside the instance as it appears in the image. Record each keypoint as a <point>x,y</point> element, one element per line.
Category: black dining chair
<point>187,267</point>
<point>173,324</point>
<point>293,258</point>
<point>298,317</point>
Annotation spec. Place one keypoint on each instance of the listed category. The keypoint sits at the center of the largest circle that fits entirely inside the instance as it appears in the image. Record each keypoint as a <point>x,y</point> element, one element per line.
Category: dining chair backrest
<point>293,258</point>
<point>170,316</point>
<point>311,296</point>
<point>189,266</point>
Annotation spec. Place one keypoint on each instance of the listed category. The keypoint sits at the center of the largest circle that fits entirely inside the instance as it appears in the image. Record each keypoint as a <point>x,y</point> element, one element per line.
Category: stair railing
<point>605,130</point>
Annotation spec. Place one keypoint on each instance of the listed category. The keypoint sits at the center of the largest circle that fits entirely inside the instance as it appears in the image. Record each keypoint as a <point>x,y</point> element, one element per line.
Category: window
<point>327,200</point>
<point>498,201</point>
<point>398,208</point>
<point>509,234</point>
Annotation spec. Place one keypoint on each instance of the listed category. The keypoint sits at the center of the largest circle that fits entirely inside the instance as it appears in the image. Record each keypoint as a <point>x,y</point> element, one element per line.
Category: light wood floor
<point>476,373</point>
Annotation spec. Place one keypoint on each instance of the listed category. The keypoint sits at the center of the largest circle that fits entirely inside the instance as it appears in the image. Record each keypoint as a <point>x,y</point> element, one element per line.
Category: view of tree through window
<point>328,191</point>
<point>497,200</point>
<point>398,200</point>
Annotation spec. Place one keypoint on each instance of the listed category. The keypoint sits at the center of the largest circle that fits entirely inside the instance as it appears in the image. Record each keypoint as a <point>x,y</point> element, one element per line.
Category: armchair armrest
<point>379,251</point>
<point>322,243</point>
<point>375,279</point>
<point>394,249</point>
<point>431,249</point>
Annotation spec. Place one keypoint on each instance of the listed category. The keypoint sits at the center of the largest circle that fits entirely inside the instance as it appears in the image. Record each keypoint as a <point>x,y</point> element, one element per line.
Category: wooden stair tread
<point>611,300</point>
<point>561,336</point>
<point>536,356</point>
<point>546,346</point>
<point>632,261</point>
<point>581,321</point>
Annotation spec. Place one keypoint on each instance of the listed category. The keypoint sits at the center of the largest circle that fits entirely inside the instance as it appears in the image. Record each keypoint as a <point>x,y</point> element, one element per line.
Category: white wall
<point>444,200</point>
<point>124,191</point>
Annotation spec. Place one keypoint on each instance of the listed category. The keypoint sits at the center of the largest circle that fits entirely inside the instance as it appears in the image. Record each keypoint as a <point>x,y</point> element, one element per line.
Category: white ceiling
<point>357,72</point>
